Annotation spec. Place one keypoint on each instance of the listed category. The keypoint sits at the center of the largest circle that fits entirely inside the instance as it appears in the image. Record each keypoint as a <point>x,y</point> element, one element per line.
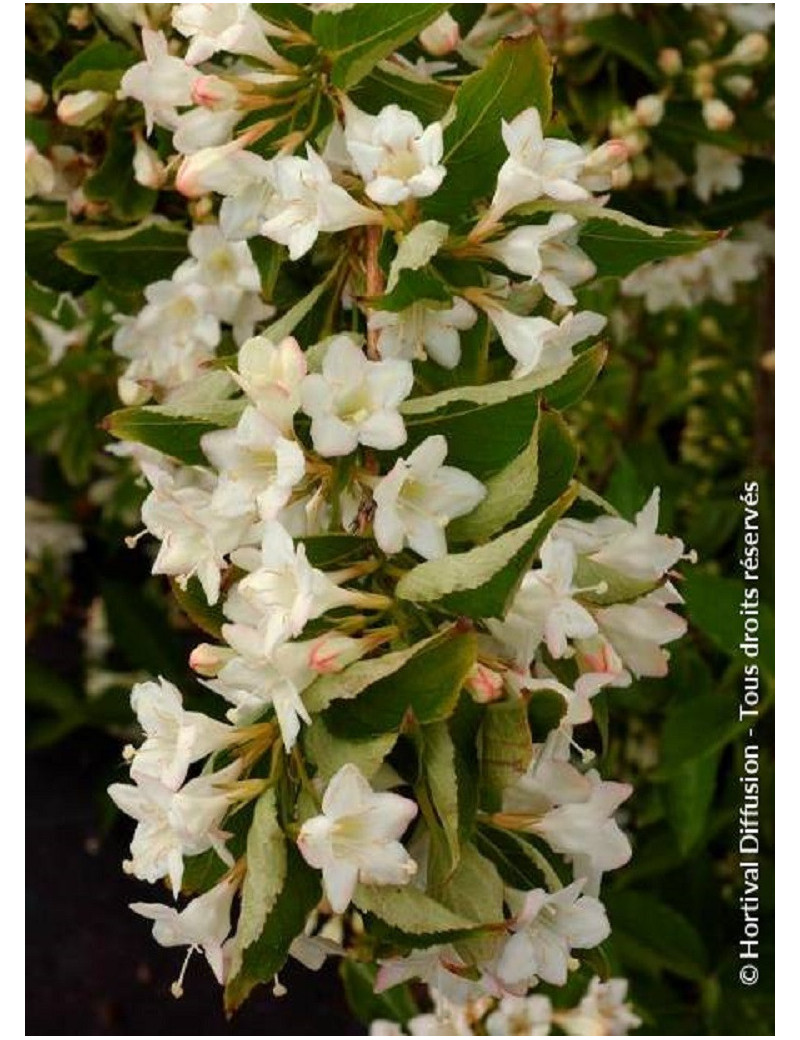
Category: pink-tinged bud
<point>209,169</point>
<point>207,659</point>
<point>670,61</point>
<point>333,652</point>
<point>650,110</point>
<point>81,108</point>
<point>607,157</point>
<point>148,169</point>
<point>621,177</point>
<point>484,684</point>
<point>441,36</point>
<point>740,86</point>
<point>717,115</point>
<point>750,50</point>
<point>214,93</point>
<point>80,17</point>
<point>35,97</point>
<point>598,656</point>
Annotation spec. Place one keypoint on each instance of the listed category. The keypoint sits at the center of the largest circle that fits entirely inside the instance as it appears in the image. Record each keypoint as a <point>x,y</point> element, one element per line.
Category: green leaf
<point>427,685</point>
<point>178,437</point>
<point>356,39</point>
<point>507,495</point>
<point>516,76</point>
<point>390,84</point>
<point>192,601</point>
<point>328,550</point>
<point>330,753</point>
<point>512,856</point>
<point>129,259</point>
<point>287,323</point>
<point>558,458</point>
<point>99,66</point>
<point>352,681</point>
<point>114,183</point>
<point>619,588</point>
<point>411,913</point>
<point>414,287</point>
<point>481,582</point>
<point>649,935</point>
<point>43,264</point>
<point>287,16</point>
<point>395,1004</point>
<point>689,795</point>
<point>697,727</point>
<point>264,957</point>
<point>418,247</point>
<point>475,890</point>
<point>622,35</point>
<point>712,604</point>
<point>439,772</point>
<point>137,626</point>
<point>506,749</point>
<point>578,380</point>
<point>265,877</point>
<point>546,709</point>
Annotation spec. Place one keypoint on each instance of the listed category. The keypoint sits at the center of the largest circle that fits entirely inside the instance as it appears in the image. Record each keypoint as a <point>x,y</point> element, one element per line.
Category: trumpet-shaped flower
<point>356,837</point>
<point>537,344</point>
<point>637,631</point>
<point>537,166</point>
<point>174,738</point>
<point>396,158</point>
<point>547,254</point>
<point>204,924</point>
<point>521,1016</point>
<point>545,609</point>
<point>546,931</point>
<point>235,28</point>
<point>716,170</point>
<point>354,401</point>
<point>173,824</point>
<point>271,376</point>
<point>305,201</point>
<point>604,1011</point>
<point>419,497</point>
<point>258,467</point>
<point>422,331</point>
<point>226,269</point>
<point>162,83</point>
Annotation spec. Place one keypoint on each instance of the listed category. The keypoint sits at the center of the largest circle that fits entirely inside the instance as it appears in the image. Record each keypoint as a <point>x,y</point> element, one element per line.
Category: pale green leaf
<point>330,752</point>
<point>417,248</point>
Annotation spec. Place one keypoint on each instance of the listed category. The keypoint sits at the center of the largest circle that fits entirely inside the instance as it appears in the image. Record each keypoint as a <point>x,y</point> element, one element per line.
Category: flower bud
<point>750,50</point>
<point>40,176</point>
<point>607,157</point>
<point>207,659</point>
<point>717,115</point>
<point>333,652</point>
<point>484,684</point>
<point>650,109</point>
<point>621,177</point>
<point>80,17</point>
<point>739,86</point>
<point>210,169</point>
<point>131,393</point>
<point>148,169</point>
<point>670,61</point>
<point>214,93</point>
<point>35,97</point>
<point>81,108</point>
<point>441,36</point>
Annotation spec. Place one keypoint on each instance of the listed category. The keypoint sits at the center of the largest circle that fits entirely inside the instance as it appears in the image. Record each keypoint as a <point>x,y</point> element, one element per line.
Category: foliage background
<point>685,402</point>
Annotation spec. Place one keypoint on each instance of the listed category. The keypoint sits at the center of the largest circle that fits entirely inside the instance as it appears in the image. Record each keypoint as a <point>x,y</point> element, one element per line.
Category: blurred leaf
<point>394,1005</point>
<point>128,259</point>
<point>689,795</point>
<point>623,36</point>
<point>506,750</point>
<point>99,66</point>
<point>650,935</point>
<point>114,183</point>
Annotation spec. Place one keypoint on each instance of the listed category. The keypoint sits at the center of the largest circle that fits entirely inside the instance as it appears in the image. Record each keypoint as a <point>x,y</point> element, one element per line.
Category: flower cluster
<point>357,503</point>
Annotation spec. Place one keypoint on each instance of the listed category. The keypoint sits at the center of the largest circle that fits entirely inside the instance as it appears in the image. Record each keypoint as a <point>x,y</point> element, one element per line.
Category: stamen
<point>278,988</point>
<point>176,989</point>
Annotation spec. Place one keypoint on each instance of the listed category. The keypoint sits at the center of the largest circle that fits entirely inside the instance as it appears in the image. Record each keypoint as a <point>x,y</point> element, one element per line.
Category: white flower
<point>650,110</point>
<point>521,1016</point>
<point>226,270</point>
<point>637,631</point>
<point>536,166</point>
<point>305,201</point>
<point>202,128</point>
<point>174,738</point>
<point>174,824</point>
<point>258,467</point>
<point>356,837</point>
<point>717,115</point>
<point>35,97</point>
<point>727,264</point>
<point>604,1010</point>
<point>587,831</point>
<point>633,549</point>
<point>546,931</point>
<point>194,538</point>
<point>547,254</point>
<point>422,331</point>
<point>354,401</point>
<point>161,82</point>
<point>81,108</point>
<point>284,591</point>
<point>179,311</point>
<point>148,169</point>
<point>716,170</point>
<point>228,169</point>
<point>40,176</point>
<point>45,533</point>
<point>203,924</point>
<point>537,344</point>
<point>392,153</point>
<point>439,967</point>
<point>271,375</point>
<point>235,28</point>
<point>383,1027</point>
<point>419,497</point>
<point>544,609</point>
